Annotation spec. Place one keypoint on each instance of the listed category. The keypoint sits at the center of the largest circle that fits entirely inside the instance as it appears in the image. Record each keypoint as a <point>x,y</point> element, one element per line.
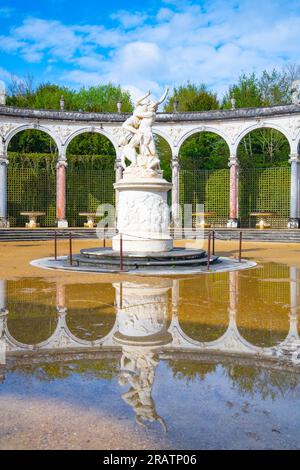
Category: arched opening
<point>32,316</point>
<point>32,176</point>
<point>264,178</point>
<point>165,155</point>
<point>90,316</point>
<point>90,175</point>
<point>203,316</point>
<point>204,176</point>
<point>266,295</point>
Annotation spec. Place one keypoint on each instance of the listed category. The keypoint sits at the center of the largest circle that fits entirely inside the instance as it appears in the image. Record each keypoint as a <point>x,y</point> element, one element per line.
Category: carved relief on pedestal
<point>143,212</point>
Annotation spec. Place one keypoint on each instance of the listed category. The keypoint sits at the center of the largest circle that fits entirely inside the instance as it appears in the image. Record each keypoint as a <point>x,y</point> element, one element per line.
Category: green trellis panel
<point>207,187</point>
<point>87,188</point>
<point>265,190</point>
<point>31,189</point>
<point>260,190</point>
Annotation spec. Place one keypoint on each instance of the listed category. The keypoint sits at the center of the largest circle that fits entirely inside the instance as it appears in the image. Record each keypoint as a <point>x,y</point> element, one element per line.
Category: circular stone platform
<point>107,259</point>
<point>179,262</point>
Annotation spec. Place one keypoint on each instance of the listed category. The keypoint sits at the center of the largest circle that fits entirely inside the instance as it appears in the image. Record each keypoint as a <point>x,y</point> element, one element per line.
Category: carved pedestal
<point>142,313</point>
<point>143,215</point>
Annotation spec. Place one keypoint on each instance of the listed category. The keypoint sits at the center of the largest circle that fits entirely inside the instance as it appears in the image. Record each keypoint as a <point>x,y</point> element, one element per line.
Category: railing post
<point>121,252</point>
<point>213,242</point>
<point>208,250</point>
<point>104,237</point>
<point>240,247</point>
<point>70,249</point>
<point>55,245</point>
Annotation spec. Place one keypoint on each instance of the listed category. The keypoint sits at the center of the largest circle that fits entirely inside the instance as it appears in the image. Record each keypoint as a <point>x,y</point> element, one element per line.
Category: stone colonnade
<point>233,220</point>
<point>231,125</point>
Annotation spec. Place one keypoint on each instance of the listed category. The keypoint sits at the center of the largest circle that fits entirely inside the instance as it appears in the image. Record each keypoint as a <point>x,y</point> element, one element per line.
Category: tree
<point>263,148</point>
<point>246,92</point>
<point>204,151</point>
<point>102,99</point>
<point>192,97</point>
<point>292,72</point>
<point>274,87</point>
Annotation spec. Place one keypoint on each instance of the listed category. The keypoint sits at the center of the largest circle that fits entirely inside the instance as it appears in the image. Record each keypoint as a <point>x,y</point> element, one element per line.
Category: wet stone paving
<point>206,362</point>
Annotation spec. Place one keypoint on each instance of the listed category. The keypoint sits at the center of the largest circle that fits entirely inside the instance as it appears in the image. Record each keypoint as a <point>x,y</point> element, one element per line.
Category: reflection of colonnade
<point>149,303</point>
<point>61,338</point>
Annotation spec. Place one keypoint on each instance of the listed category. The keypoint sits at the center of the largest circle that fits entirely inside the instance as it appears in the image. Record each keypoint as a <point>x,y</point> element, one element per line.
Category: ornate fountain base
<point>143,215</point>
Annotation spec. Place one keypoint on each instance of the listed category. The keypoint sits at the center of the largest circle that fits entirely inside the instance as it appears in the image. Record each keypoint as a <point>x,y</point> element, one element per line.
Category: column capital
<point>233,160</point>
<point>4,160</point>
<point>294,157</point>
<point>175,162</point>
<point>61,163</point>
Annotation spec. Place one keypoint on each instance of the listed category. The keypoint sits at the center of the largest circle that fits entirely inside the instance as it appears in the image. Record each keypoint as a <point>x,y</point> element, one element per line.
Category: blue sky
<point>146,45</point>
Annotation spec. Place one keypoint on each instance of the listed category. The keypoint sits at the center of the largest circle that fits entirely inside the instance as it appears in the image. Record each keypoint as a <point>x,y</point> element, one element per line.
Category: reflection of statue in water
<point>139,144</point>
<point>141,319</point>
<point>138,370</point>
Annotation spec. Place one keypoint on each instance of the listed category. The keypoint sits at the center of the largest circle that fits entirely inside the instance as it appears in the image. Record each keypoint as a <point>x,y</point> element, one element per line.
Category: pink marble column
<point>61,194</point>
<point>60,295</point>
<point>234,194</point>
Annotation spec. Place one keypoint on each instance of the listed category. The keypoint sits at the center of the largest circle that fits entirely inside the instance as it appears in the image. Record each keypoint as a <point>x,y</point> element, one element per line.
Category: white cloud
<point>128,19</point>
<point>6,12</point>
<point>211,42</point>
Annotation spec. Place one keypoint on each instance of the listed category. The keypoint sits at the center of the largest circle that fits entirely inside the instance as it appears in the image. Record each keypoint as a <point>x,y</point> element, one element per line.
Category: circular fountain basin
<point>106,258</point>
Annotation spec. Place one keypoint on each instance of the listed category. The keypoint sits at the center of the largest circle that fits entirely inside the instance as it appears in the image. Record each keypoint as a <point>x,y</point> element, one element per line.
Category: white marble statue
<point>295,92</point>
<point>138,145</point>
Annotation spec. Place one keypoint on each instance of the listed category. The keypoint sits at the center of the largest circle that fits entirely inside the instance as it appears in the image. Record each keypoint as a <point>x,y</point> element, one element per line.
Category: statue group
<point>138,145</point>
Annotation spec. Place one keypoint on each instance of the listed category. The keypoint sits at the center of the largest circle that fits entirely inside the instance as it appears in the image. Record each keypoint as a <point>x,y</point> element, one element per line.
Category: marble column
<point>233,221</point>
<point>61,194</point>
<point>3,192</point>
<point>294,220</point>
<point>294,304</point>
<point>3,321</point>
<point>118,177</point>
<point>175,192</point>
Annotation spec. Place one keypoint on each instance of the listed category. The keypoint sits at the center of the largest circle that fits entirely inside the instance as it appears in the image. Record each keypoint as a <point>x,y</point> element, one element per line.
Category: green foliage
<point>204,150</point>
<point>246,92</point>
<point>268,89</point>
<point>263,148</point>
<point>31,141</point>
<point>260,189</point>
<point>87,188</point>
<point>267,190</point>
<point>275,87</point>
<point>192,97</point>
<point>207,187</point>
<point>165,155</point>
<point>31,189</point>
<point>33,161</point>
<point>102,98</point>
<point>90,143</point>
